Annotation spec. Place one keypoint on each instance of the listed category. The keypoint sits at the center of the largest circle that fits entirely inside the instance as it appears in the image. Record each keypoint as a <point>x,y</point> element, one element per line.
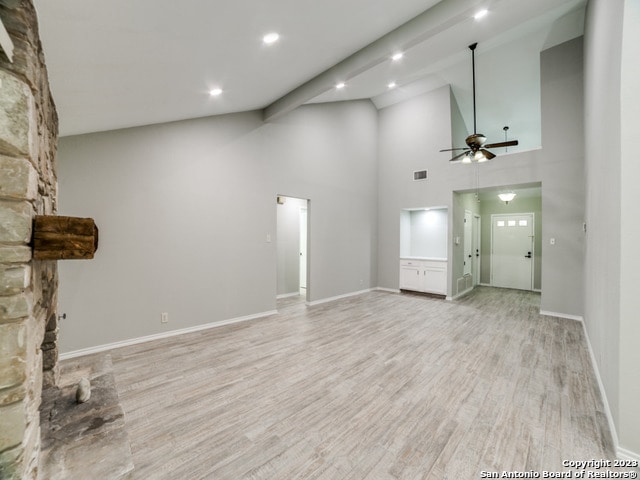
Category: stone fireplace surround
<point>44,433</point>
<point>28,288</point>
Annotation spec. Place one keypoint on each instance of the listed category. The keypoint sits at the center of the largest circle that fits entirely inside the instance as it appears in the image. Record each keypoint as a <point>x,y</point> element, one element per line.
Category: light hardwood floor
<point>377,386</point>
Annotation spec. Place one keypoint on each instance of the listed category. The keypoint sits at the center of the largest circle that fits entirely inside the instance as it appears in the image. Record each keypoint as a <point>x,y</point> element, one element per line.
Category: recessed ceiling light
<point>270,38</point>
<point>481,14</point>
<point>340,85</point>
<point>392,85</point>
<point>397,56</point>
<point>214,92</point>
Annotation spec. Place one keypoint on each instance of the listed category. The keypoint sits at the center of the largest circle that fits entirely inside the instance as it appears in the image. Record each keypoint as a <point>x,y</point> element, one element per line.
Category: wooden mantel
<point>64,238</point>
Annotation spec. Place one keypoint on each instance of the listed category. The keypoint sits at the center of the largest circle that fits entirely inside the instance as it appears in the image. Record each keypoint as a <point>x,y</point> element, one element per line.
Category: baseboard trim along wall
<point>384,289</point>
<point>338,297</point>
<point>172,333</point>
<point>621,453</point>
<point>624,454</point>
<point>577,318</point>
<point>460,294</point>
<point>158,336</point>
<point>603,395</point>
<point>287,295</point>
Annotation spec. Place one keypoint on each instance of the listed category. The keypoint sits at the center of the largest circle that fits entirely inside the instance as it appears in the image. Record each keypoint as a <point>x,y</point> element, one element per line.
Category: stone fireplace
<point>28,288</point>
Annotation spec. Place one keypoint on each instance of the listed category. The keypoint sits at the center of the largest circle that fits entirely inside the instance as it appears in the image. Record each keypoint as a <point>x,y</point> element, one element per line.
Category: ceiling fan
<point>476,150</point>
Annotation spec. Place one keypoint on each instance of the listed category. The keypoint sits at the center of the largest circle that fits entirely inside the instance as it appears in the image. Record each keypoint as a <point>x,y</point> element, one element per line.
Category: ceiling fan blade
<point>459,155</point>
<point>487,154</point>
<point>452,149</point>
<point>510,143</point>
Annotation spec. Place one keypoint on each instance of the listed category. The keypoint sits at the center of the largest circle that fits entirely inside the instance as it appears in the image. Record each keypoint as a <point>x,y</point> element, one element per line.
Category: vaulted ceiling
<point>126,63</point>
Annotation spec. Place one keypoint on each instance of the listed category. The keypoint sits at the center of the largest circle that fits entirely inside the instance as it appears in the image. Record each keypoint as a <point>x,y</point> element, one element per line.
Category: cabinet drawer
<point>410,263</point>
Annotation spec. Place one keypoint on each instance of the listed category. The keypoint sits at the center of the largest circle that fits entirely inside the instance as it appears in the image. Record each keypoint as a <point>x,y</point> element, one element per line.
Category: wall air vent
<point>420,175</point>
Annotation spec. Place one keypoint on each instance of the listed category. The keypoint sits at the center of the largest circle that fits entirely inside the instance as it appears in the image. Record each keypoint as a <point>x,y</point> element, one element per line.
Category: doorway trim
<point>304,250</point>
<point>303,205</point>
<point>476,248</point>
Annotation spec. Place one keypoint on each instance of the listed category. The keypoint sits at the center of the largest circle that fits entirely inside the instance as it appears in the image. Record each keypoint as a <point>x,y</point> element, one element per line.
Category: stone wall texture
<point>28,289</point>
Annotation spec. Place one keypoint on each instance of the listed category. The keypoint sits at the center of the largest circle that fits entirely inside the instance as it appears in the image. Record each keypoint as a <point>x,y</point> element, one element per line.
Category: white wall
<point>561,163</point>
<point>327,153</point>
<point>602,147</point>
<point>612,266</point>
<point>630,233</point>
<point>411,134</point>
<point>184,210</point>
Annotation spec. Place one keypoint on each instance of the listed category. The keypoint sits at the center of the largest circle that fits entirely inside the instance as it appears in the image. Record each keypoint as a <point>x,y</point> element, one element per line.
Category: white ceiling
<point>124,63</point>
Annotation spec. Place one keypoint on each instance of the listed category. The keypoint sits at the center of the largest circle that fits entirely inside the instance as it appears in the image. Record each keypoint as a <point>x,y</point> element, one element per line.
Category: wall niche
<point>423,233</point>
<point>423,250</point>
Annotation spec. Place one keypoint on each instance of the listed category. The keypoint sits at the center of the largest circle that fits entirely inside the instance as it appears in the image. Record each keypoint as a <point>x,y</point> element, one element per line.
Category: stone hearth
<point>84,440</point>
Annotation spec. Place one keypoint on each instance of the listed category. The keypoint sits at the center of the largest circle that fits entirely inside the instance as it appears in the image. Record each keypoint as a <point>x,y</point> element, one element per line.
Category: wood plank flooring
<point>377,386</point>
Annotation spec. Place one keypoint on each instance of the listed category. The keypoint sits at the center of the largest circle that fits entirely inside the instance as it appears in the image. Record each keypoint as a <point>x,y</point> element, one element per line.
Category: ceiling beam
<point>429,23</point>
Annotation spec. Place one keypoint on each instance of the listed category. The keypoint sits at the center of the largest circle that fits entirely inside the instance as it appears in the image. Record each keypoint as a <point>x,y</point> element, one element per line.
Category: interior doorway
<point>303,251</point>
<point>292,249</point>
<point>512,250</point>
<point>480,205</point>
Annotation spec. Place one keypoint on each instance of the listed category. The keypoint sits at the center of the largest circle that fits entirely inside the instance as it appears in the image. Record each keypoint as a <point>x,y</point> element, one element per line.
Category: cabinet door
<point>435,279</point>
<point>410,278</point>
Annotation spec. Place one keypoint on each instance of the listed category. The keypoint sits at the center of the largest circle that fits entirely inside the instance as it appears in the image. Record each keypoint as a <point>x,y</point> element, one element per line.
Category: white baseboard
<point>603,395</point>
<point>338,297</point>
<point>624,454</point>
<point>620,452</point>
<point>577,318</point>
<point>158,336</point>
<point>390,290</point>
<point>287,295</point>
<point>460,294</point>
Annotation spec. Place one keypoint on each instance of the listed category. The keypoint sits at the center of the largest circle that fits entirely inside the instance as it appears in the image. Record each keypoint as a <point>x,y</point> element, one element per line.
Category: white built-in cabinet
<point>423,251</point>
<point>424,275</point>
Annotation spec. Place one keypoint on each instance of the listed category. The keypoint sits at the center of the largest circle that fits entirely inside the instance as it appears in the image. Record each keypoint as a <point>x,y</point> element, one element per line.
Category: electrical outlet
<point>164,317</point>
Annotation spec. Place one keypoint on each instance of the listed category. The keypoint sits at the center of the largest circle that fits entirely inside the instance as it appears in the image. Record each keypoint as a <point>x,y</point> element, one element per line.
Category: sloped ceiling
<point>126,63</point>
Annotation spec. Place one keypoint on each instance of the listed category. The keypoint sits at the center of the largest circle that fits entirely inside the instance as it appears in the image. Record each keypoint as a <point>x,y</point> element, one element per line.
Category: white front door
<point>512,251</point>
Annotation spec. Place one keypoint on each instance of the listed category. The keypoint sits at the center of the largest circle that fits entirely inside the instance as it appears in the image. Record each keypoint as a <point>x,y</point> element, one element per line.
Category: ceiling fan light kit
<point>476,150</point>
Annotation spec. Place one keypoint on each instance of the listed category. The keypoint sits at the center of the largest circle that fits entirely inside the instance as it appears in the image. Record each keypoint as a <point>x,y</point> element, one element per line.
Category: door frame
<point>476,234</point>
<point>303,247</point>
<point>307,207</point>
<point>467,244</point>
